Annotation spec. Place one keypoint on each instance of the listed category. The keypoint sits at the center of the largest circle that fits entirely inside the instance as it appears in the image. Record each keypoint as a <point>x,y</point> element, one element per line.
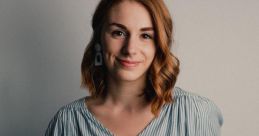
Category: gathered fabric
<point>188,115</point>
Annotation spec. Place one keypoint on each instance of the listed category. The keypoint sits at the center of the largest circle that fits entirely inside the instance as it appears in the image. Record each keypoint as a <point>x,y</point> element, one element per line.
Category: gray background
<point>42,43</point>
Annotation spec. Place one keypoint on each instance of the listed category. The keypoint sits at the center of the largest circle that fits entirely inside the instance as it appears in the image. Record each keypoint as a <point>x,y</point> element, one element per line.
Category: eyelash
<point>118,33</point>
<point>146,36</point>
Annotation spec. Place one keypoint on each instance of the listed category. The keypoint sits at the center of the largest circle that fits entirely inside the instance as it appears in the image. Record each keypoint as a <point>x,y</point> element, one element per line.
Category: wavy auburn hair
<point>163,72</point>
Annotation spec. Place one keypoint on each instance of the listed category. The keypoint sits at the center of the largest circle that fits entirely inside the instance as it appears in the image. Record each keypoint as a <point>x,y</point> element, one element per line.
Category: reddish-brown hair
<point>163,72</point>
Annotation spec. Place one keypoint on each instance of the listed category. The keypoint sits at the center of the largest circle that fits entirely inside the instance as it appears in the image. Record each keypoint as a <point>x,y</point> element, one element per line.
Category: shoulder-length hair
<point>163,72</point>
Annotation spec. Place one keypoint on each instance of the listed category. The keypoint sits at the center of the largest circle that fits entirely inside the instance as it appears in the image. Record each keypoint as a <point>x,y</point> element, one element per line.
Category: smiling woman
<point>127,44</point>
<point>131,75</point>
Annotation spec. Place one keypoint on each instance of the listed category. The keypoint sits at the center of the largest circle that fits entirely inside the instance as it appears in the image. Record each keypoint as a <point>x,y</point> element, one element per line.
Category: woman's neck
<point>125,95</point>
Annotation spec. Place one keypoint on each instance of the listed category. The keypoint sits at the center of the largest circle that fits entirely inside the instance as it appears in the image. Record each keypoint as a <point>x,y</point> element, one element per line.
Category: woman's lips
<point>128,63</point>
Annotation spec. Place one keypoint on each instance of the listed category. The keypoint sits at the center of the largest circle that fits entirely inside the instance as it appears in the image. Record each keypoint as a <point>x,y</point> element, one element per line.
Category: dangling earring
<point>98,55</point>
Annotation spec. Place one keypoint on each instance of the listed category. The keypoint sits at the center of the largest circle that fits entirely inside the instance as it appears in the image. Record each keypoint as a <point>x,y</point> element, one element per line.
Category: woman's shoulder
<point>180,94</point>
<point>65,117</point>
<point>73,106</point>
<point>196,114</point>
<point>193,104</point>
<point>70,110</point>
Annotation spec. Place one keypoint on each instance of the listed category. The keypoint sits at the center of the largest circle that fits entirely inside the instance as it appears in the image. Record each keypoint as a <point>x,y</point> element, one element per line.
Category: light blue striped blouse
<point>189,115</point>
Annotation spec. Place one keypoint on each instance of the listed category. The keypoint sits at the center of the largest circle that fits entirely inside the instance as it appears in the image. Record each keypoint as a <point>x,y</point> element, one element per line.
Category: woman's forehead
<point>130,14</point>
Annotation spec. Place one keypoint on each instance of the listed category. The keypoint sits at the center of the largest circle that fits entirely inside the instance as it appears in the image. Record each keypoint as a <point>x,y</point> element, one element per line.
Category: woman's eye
<point>119,33</point>
<point>147,36</point>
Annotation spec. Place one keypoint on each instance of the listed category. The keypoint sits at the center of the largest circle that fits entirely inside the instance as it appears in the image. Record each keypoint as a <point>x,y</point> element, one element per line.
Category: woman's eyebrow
<point>125,28</point>
<point>118,25</point>
<point>147,29</point>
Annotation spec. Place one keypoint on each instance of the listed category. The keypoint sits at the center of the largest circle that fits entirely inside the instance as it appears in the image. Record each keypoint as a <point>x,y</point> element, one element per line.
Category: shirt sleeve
<point>56,125</point>
<point>207,117</point>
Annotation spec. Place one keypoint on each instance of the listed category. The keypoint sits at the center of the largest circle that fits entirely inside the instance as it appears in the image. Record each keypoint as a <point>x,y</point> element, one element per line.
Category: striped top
<point>189,115</point>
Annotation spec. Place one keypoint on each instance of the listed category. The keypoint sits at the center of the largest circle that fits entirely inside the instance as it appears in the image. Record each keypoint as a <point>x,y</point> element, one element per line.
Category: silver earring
<point>98,55</point>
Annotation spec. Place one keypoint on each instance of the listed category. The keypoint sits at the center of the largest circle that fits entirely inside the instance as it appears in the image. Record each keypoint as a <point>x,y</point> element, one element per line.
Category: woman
<point>130,74</point>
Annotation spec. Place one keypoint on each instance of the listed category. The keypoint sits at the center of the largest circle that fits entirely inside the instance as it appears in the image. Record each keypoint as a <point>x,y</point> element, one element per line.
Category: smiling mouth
<point>128,63</point>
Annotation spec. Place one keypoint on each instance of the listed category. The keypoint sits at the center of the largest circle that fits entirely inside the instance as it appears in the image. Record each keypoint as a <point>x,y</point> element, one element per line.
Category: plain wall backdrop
<point>42,44</point>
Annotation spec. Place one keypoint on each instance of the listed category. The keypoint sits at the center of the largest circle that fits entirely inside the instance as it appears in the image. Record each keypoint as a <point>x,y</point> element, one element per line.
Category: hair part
<point>163,72</point>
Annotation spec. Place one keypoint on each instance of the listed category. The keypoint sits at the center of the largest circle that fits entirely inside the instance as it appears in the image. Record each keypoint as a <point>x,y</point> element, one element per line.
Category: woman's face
<point>128,41</point>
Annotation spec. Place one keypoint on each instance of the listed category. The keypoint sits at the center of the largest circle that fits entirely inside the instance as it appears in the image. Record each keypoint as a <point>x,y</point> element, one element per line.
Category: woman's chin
<point>128,76</point>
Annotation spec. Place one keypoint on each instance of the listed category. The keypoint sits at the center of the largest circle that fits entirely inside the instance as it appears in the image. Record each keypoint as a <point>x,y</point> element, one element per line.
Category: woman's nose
<point>130,46</point>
